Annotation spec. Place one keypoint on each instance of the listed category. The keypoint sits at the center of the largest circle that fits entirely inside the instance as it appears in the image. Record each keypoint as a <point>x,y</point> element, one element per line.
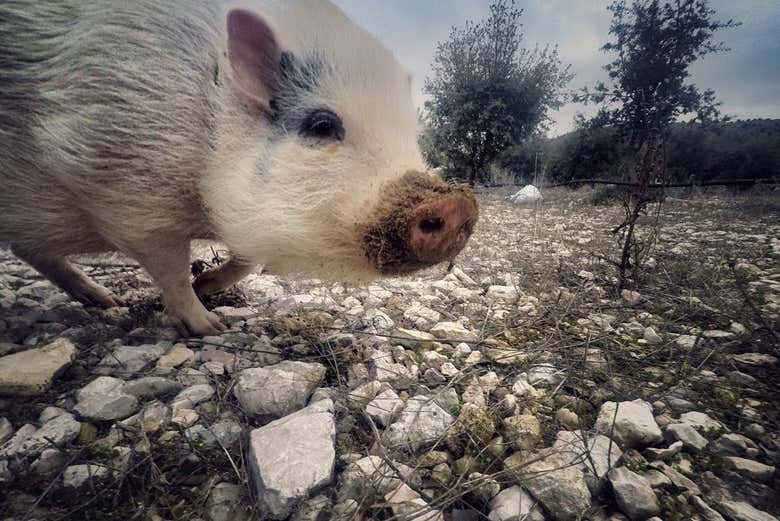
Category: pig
<point>280,129</point>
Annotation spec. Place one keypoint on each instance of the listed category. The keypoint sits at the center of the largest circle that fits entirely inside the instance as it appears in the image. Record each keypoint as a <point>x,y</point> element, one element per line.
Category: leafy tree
<point>488,93</point>
<point>655,43</point>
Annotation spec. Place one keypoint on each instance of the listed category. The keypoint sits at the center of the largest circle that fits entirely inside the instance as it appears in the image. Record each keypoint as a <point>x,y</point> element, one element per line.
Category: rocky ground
<point>519,386</point>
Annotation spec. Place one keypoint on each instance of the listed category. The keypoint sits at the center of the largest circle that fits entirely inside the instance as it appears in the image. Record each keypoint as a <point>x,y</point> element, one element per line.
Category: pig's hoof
<point>199,324</point>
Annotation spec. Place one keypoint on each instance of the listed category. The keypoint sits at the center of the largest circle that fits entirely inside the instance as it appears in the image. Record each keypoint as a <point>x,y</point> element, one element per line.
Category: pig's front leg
<point>167,261</point>
<point>222,277</point>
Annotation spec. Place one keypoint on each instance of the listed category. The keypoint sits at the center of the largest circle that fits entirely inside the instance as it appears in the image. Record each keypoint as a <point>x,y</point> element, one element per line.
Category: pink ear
<point>254,54</point>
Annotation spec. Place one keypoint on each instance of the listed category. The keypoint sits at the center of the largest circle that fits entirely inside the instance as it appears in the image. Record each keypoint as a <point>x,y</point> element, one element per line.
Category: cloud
<point>746,79</point>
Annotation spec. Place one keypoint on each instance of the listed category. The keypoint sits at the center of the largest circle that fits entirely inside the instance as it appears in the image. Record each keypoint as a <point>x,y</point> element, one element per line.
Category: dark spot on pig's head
<point>421,221</point>
<point>298,80</point>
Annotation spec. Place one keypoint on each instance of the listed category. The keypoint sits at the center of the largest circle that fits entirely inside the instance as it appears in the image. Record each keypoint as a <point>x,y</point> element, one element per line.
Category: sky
<point>746,79</point>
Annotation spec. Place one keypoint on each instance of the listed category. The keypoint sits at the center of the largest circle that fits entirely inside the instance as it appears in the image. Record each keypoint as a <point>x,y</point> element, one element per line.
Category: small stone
<point>453,331</point>
<point>545,375</point>
<point>411,338</point>
<point>363,394</point>
<point>77,476</point>
<point>433,377</point>
<point>741,511</point>
<point>384,407</point>
<point>681,405</point>
<point>30,441</point>
<point>31,372</point>
<point>483,486</point>
<point>514,504</point>
<point>278,451</point>
<point>706,511</point>
<point>223,434</point>
<point>104,399</point>
<point>684,465</point>
<point>224,503</point>
<point>441,473</point>
<point>6,430</point>
<point>504,356</point>
<point>462,350</point>
<point>717,333</point>
<point>601,454</point>
<point>755,360</point>
<point>421,316</point>
<point>129,360</point>
<point>189,377</point>
<point>567,419</point>
<point>405,503</point>
<point>523,389</point>
<point>193,395</point>
<point>448,400</point>
<point>178,355</point>
<point>151,387</point>
<point>474,358</point>
<point>324,393</point>
<point>213,368</point>
<point>231,315</point>
<point>677,479</point>
<point>277,390</point>
<point>685,341</point>
<point>634,495</point>
<point>449,370</point>
<point>667,453</point>
<point>547,475</point>
<point>155,417</point>
<point>733,444</point>
<point>522,431</point>
<point>49,462</point>
<point>185,417</point>
<point>634,425</point>
<point>367,478</point>
<point>651,337</point>
<point>737,328</point>
<point>384,369</point>
<point>687,435</point>
<point>506,294</point>
<point>656,479</point>
<point>750,468</point>
<point>474,395</point>
<point>433,458</point>
<point>473,428</point>
<point>700,421</point>
<point>740,378</point>
<point>419,424</point>
<point>631,297</point>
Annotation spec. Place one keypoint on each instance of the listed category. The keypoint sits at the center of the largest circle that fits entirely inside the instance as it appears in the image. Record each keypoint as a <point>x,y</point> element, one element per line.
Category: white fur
<point>302,211</point>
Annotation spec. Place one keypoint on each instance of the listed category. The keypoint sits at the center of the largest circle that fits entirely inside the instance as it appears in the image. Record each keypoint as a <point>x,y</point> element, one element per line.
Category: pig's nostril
<point>431,225</point>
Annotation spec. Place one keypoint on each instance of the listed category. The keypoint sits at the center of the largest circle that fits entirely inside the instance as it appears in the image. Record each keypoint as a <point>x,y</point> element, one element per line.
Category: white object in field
<point>529,194</point>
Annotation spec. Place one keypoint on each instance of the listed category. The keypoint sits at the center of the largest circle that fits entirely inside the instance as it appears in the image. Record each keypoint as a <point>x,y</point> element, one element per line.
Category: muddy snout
<point>422,221</point>
<point>440,229</point>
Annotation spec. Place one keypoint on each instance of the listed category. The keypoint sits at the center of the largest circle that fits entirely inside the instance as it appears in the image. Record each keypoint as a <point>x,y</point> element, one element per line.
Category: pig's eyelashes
<point>323,124</point>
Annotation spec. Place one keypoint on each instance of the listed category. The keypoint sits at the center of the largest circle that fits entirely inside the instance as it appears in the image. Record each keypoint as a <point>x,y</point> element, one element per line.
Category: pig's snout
<point>440,229</point>
<point>421,221</point>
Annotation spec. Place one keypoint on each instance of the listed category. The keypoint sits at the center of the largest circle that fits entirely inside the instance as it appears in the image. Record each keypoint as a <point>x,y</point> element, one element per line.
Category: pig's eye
<point>323,124</point>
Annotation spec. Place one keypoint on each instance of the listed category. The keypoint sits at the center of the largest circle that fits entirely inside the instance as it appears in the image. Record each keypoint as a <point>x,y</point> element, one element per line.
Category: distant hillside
<point>744,149</point>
